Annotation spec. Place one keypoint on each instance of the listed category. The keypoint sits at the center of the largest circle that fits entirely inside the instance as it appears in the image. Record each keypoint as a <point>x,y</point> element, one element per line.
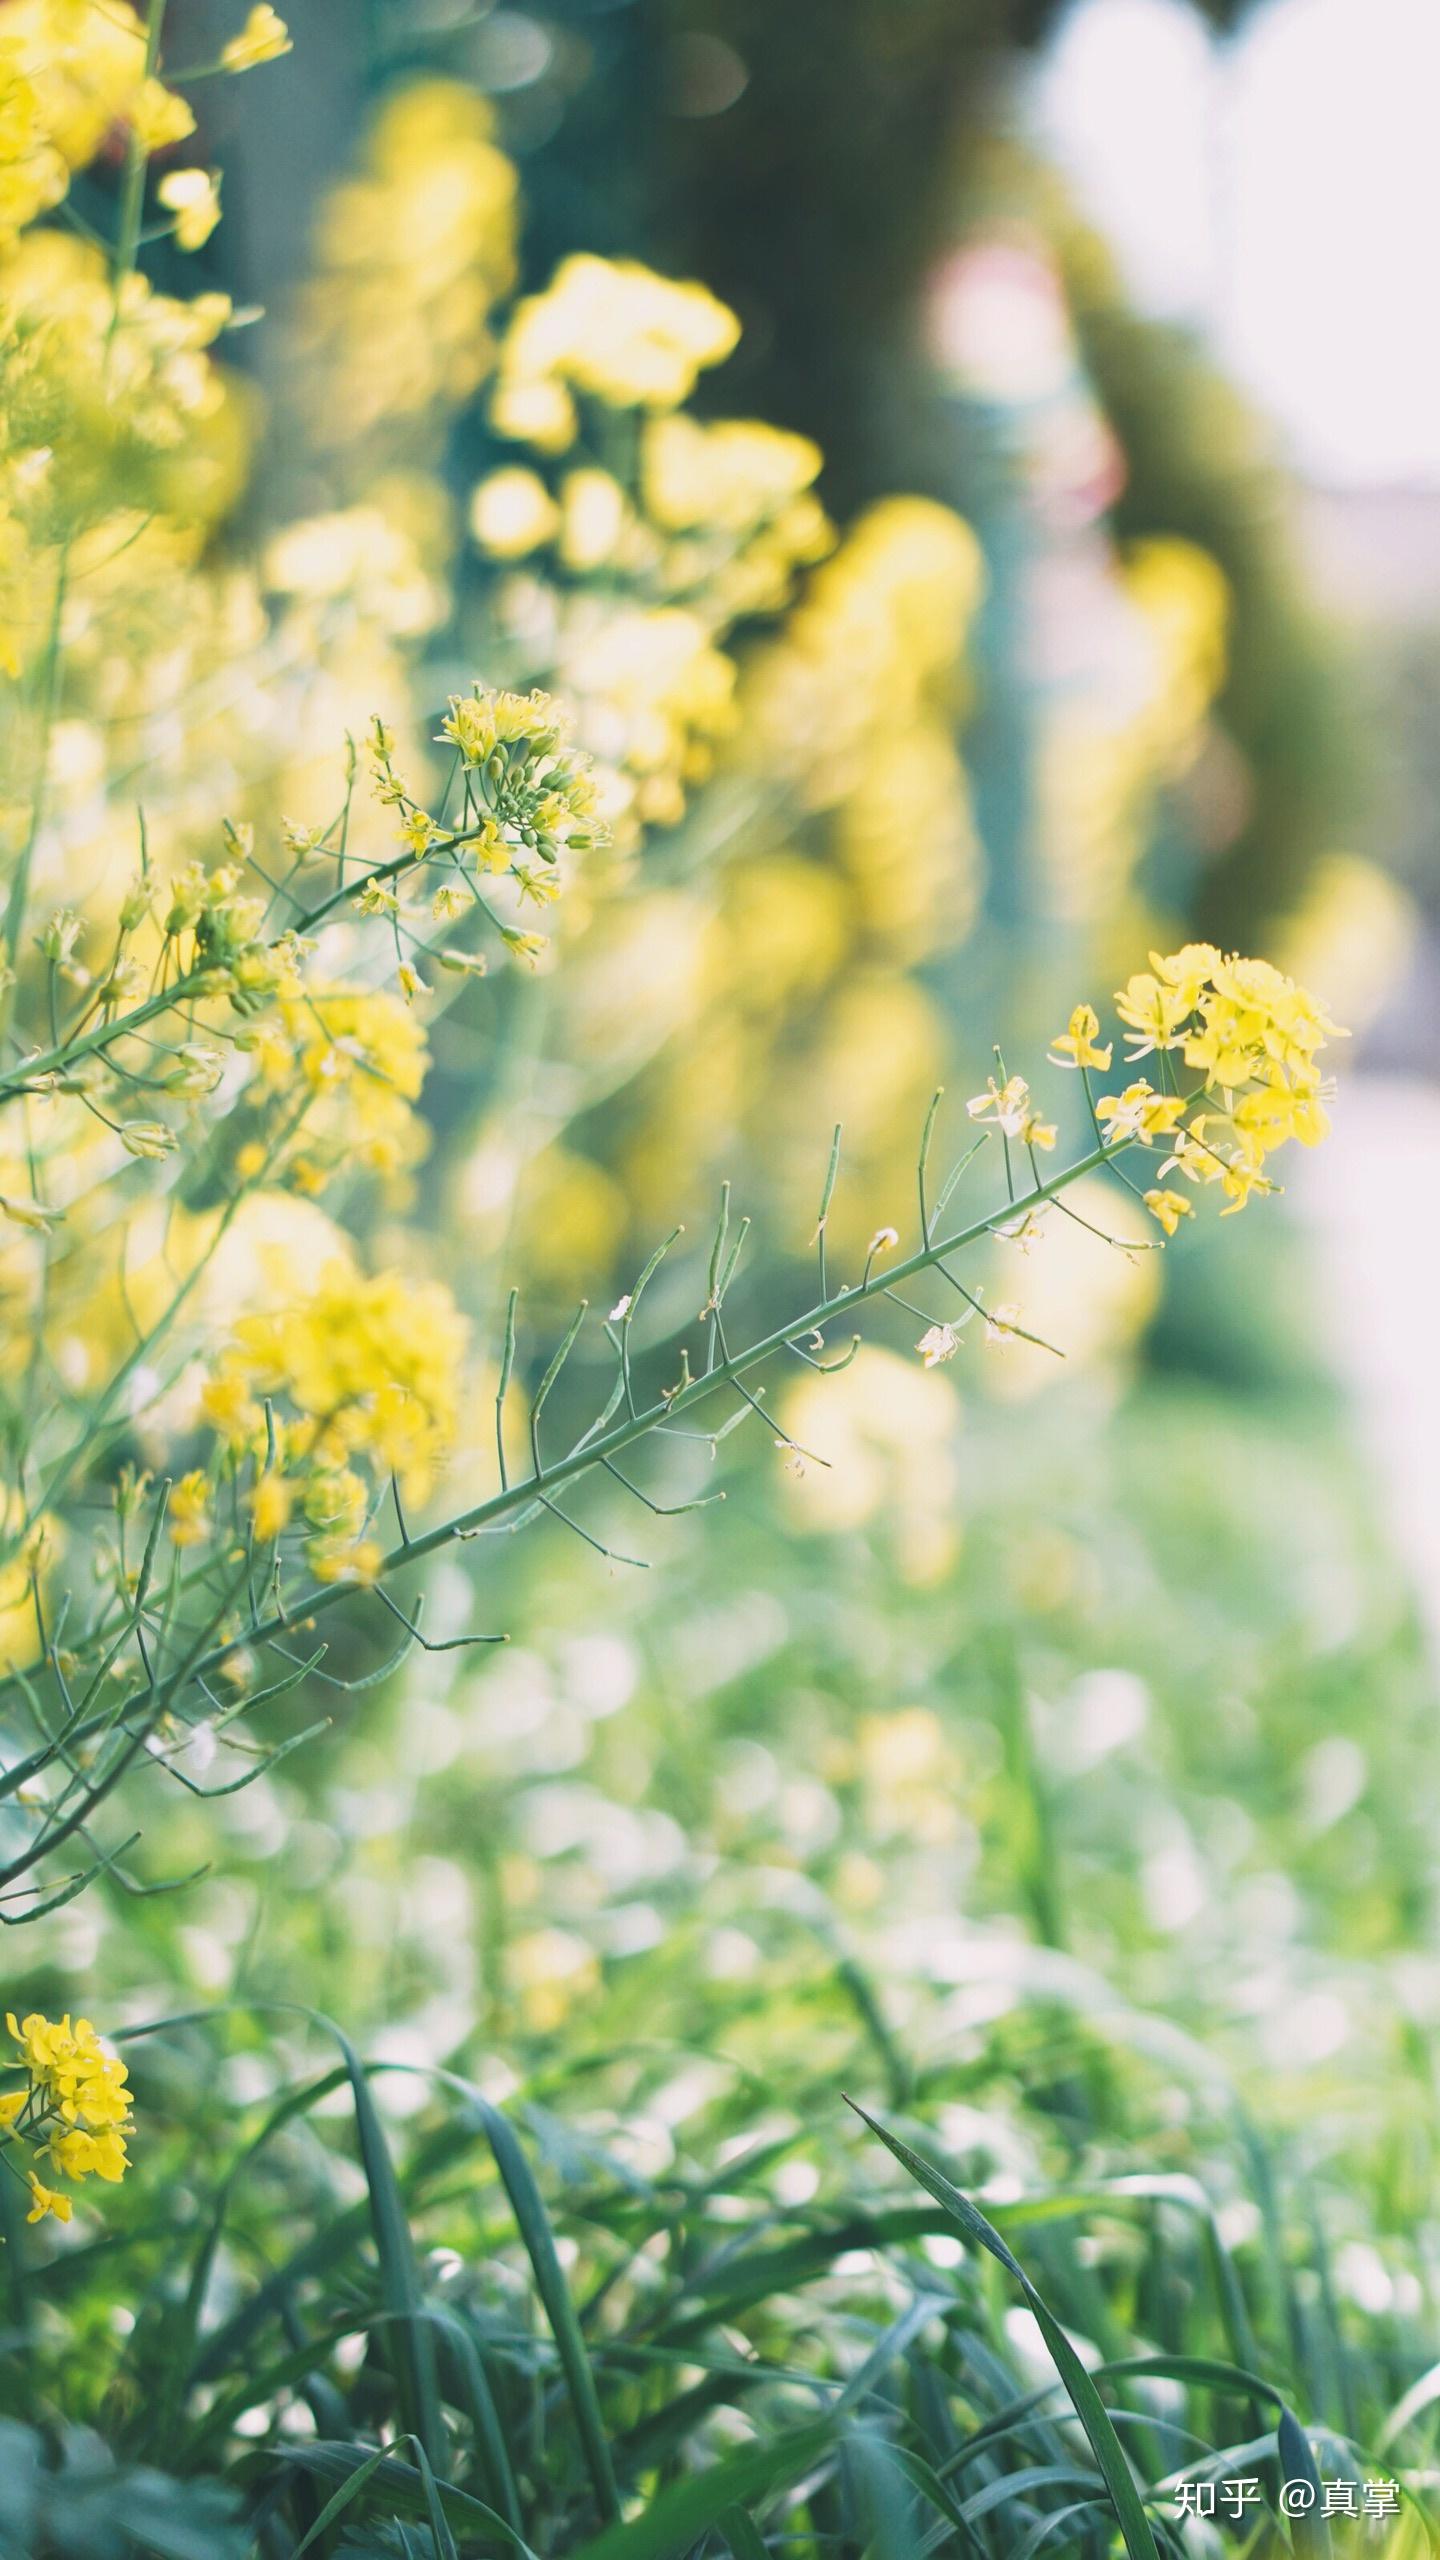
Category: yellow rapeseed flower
<point>263,38</point>
<point>194,199</point>
<point>1079,1044</point>
<point>73,2110</point>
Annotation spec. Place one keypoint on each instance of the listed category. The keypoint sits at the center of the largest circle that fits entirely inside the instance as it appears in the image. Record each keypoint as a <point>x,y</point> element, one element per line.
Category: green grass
<point>632,2278</point>
<point>598,2322</point>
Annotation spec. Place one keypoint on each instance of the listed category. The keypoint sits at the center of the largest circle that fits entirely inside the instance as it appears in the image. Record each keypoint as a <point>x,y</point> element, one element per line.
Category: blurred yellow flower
<point>1169,1207</point>
<point>194,199</point>
<point>615,331</point>
<point>263,38</point>
<point>190,1508</point>
<point>512,512</point>
<point>594,513</point>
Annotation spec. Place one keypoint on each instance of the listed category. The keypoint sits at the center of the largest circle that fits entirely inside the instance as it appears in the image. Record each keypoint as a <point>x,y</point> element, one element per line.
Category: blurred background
<point>1078,591</point>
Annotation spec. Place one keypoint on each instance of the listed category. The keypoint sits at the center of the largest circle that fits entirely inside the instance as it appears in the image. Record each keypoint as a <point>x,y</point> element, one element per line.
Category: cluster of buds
<point>228,947</point>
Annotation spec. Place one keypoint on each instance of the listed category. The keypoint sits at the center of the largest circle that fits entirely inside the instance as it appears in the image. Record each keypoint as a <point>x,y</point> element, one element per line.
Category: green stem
<point>51,676</point>
<point>152,1704</point>
<point>49,1062</point>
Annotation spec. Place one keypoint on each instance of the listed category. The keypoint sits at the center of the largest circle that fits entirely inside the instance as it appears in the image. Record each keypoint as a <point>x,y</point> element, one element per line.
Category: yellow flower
<point>594,514</point>
<point>1169,1207</point>
<point>360,1562</point>
<point>374,1362</point>
<point>419,831</point>
<point>512,513</point>
<point>612,329</point>
<point>194,199</point>
<point>70,2069</point>
<point>45,2200</point>
<point>271,1504</point>
<point>1155,1012</point>
<point>190,1509</point>
<point>1078,1045</point>
<point>1239,1179</point>
<point>1187,971</point>
<point>1140,1113</point>
<point>12,2105</point>
<point>90,2155</point>
<point>230,1409</point>
<point>1008,1104</point>
<point>263,38</point>
<point>159,117</point>
<point>940,1344</point>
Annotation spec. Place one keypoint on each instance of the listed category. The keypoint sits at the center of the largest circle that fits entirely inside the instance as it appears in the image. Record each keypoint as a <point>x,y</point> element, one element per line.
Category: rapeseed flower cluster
<point>412,253</point>
<point>635,574</point>
<point>319,1403</point>
<point>71,2112</point>
<point>70,72</point>
<point>1239,1042</point>
<point>609,330</point>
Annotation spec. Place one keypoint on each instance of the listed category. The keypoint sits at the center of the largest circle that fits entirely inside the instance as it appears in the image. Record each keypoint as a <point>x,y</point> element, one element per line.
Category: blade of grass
<point>739,2531</point>
<point>1089,2407</point>
<point>399,2276</point>
<point>337,2505</point>
<point>534,2227</point>
<point>1309,2533</point>
<point>689,2508</point>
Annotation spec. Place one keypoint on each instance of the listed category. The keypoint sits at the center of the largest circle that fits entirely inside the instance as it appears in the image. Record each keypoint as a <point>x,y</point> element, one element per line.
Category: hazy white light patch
<point>1334,206</point>
<point>1283,191</point>
<point>1124,102</point>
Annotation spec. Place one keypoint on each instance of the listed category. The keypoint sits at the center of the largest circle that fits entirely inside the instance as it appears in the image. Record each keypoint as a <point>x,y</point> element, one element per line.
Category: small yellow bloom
<point>90,2155</point>
<point>1140,1113</point>
<point>159,117</point>
<point>1079,1045</point>
<point>1238,1180</point>
<point>45,2200</point>
<point>512,513</point>
<point>190,1509</point>
<point>359,1562</point>
<point>1156,1013</point>
<point>1008,1104</point>
<point>1169,1207</point>
<point>271,1504</point>
<point>263,38</point>
<point>194,199</point>
<point>940,1344</point>
<point>11,2105</point>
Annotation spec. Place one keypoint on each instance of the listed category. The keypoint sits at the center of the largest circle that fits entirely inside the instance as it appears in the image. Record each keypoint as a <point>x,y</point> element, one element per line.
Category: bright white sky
<point>1282,190</point>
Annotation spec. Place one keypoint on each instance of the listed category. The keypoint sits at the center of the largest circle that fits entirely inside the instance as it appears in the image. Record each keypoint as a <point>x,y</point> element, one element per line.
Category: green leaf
<point>539,2240</point>
<point>683,2512</point>
<point>1089,2407</point>
<point>336,2506</point>
<point>399,2277</point>
<point>739,2531</point>
<point>1309,2533</point>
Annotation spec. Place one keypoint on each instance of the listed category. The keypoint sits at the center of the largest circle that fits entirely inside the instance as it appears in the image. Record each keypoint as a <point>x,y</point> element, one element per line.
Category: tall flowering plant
<point>220,1425</point>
